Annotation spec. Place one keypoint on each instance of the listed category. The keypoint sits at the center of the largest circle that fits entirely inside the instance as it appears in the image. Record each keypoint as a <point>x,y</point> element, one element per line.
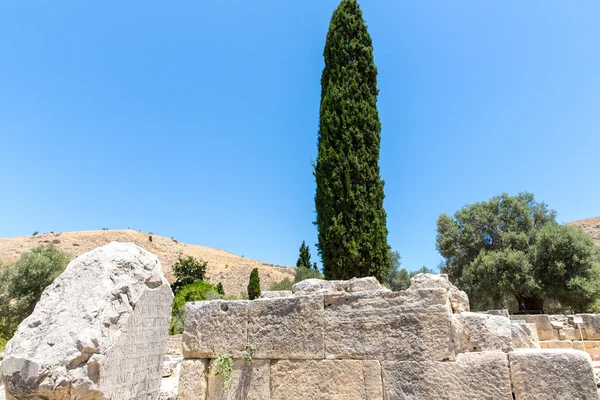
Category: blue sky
<point>198,119</point>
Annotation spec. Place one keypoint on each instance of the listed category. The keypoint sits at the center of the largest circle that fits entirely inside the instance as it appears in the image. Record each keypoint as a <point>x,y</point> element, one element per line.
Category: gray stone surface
<point>326,380</point>
<point>321,286</point>
<point>249,381</point>
<point>214,327</point>
<point>524,335</point>
<point>407,325</point>
<point>275,294</point>
<point>502,313</point>
<point>457,299</point>
<point>473,376</point>
<point>483,332</point>
<point>591,326</point>
<point>98,331</point>
<point>552,374</point>
<point>286,328</point>
<point>193,380</point>
<point>542,323</point>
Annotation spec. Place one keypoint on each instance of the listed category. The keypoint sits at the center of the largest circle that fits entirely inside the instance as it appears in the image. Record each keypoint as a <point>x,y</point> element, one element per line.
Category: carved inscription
<point>131,368</point>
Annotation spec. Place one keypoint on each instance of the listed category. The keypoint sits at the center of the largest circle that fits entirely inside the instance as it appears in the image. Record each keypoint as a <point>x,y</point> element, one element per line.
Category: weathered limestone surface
<point>320,286</point>
<point>592,347</point>
<point>408,325</point>
<point>591,326</point>
<point>569,334</point>
<point>249,381</point>
<point>214,327</point>
<point>502,313</point>
<point>286,328</point>
<point>556,344</point>
<point>524,335</point>
<point>326,380</point>
<point>542,323</point>
<point>483,332</point>
<point>98,331</point>
<point>552,374</point>
<point>193,381</point>
<point>457,299</point>
<point>473,376</point>
<point>275,294</point>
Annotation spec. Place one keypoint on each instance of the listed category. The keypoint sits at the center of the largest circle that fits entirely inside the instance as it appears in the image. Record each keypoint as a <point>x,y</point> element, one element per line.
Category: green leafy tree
<point>304,257</point>
<point>22,284</point>
<point>350,219</point>
<point>303,273</point>
<point>254,285</point>
<point>315,266</point>
<point>187,271</point>
<point>284,284</point>
<point>197,291</point>
<point>513,247</point>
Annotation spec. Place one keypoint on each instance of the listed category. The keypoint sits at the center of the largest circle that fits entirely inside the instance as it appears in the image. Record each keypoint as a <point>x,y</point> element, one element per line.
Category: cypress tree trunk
<point>349,200</point>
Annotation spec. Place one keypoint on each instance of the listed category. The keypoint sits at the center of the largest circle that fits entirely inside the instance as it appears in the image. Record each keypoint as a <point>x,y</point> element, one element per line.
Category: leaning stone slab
<point>193,380</point>
<point>483,332</point>
<point>214,327</point>
<point>552,374</point>
<point>99,331</point>
<point>542,323</point>
<point>326,380</point>
<point>249,381</point>
<point>473,376</point>
<point>286,328</point>
<point>524,335</point>
<point>407,325</point>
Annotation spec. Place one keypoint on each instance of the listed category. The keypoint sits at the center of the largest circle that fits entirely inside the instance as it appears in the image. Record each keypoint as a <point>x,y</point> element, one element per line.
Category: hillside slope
<point>591,226</point>
<point>230,269</point>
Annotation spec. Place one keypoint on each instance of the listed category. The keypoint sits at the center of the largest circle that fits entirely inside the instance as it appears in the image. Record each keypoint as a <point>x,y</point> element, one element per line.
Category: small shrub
<point>220,289</point>
<point>223,366</point>
<point>284,284</point>
<point>303,273</point>
<point>196,291</point>
<point>35,233</point>
<point>150,237</point>
<point>56,241</point>
<point>249,353</point>
<point>254,285</point>
<point>187,271</point>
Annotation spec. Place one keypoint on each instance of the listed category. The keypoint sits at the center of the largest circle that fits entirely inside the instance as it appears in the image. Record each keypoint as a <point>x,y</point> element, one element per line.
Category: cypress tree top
<point>349,197</point>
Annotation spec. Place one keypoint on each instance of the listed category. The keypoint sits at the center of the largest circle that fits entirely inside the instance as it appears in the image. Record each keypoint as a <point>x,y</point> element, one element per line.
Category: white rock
<point>484,332</point>
<point>98,331</point>
<point>275,294</point>
<point>457,299</point>
<point>320,286</point>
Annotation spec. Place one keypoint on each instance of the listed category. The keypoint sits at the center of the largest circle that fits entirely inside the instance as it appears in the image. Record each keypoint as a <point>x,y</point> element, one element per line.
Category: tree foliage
<point>284,284</point>
<point>304,257</point>
<point>196,291</point>
<point>254,285</point>
<point>187,271</point>
<point>350,219</point>
<point>512,246</point>
<point>399,278</point>
<point>22,284</point>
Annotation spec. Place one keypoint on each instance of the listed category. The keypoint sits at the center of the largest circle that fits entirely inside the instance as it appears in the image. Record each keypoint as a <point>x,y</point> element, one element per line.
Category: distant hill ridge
<point>591,226</point>
<point>230,269</point>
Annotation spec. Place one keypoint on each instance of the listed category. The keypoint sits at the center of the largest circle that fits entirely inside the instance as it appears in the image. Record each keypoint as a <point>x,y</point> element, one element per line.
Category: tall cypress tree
<point>349,200</point>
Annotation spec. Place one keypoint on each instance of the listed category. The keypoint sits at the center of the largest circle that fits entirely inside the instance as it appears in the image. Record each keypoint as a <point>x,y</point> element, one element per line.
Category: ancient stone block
<point>326,380</point>
<point>275,294</point>
<point>569,334</point>
<point>542,323</point>
<point>249,381</point>
<point>591,326</point>
<point>556,344</point>
<point>98,331</point>
<point>524,335</point>
<point>286,328</point>
<point>473,376</point>
<point>214,327</point>
<point>321,286</point>
<point>193,380</point>
<point>502,313</point>
<point>591,347</point>
<point>483,332</point>
<point>457,299</point>
<point>407,325</point>
<point>552,374</point>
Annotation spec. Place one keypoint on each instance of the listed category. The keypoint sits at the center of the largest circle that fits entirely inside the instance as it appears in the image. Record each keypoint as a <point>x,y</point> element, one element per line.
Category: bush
<point>220,289</point>
<point>196,291</point>
<point>285,284</point>
<point>35,233</point>
<point>22,284</point>
<point>150,238</point>
<point>303,273</point>
<point>254,285</point>
<point>187,271</point>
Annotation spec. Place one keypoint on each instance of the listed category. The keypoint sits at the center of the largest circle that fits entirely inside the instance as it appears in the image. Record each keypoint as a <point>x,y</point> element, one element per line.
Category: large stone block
<point>542,323</point>
<point>249,381</point>
<point>592,347</point>
<point>552,374</point>
<point>214,327</point>
<point>98,331</point>
<point>286,328</point>
<point>326,380</point>
<point>473,376</point>
<point>569,334</point>
<point>407,325</point>
<point>591,326</point>
<point>556,344</point>
<point>193,380</point>
<point>524,335</point>
<point>321,286</point>
<point>483,332</point>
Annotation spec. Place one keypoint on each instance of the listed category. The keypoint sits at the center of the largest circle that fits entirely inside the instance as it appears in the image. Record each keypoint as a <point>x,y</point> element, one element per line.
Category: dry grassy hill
<point>230,269</point>
<point>591,226</point>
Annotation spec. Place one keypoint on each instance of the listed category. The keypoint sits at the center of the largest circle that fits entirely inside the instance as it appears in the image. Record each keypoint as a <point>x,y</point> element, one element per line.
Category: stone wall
<point>357,340</point>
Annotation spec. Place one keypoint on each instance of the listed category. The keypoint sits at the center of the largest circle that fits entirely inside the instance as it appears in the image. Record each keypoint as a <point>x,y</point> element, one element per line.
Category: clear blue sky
<point>199,119</point>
